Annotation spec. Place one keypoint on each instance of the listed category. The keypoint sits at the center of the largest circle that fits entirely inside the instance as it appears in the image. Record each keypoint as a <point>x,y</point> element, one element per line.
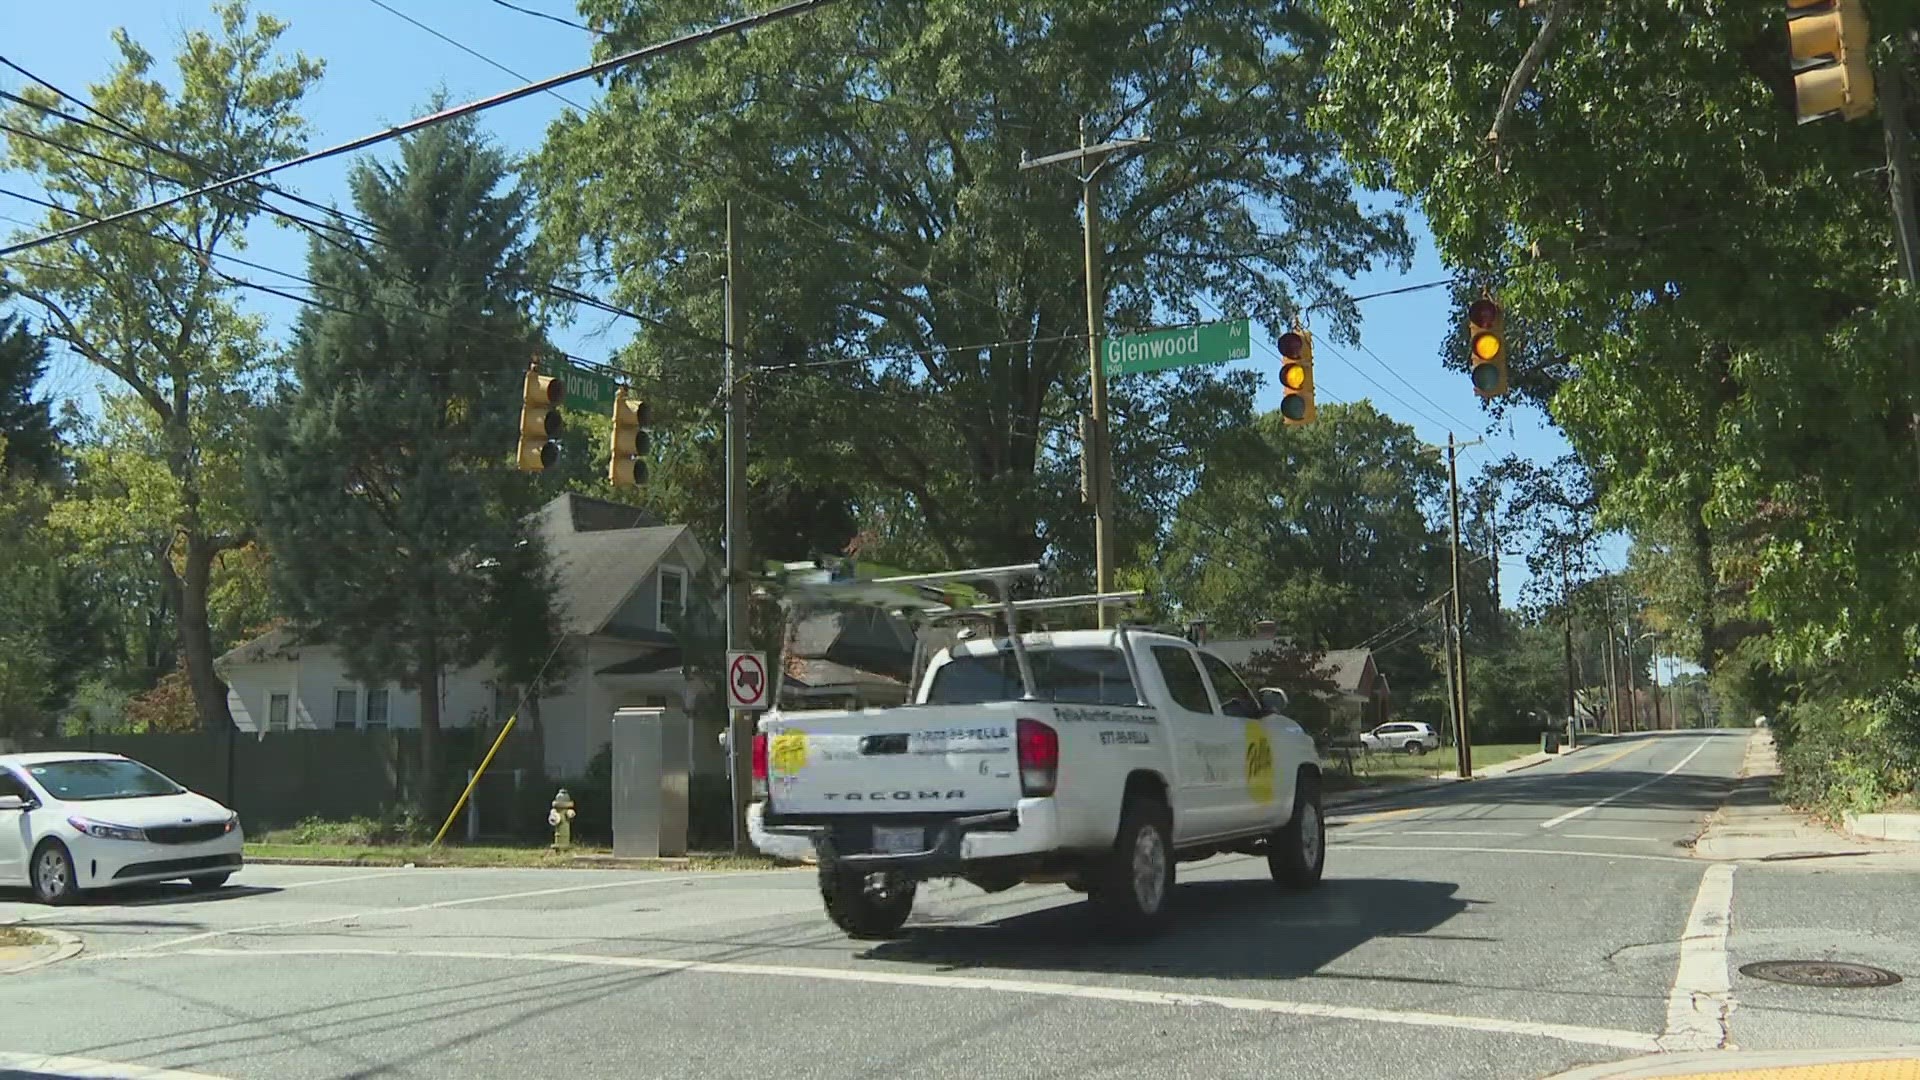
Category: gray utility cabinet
<point>650,755</point>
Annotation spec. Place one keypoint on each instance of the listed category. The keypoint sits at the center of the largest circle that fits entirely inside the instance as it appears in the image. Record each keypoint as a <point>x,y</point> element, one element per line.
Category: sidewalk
<point>1751,824</point>
<point>1893,1063</point>
<point>39,948</point>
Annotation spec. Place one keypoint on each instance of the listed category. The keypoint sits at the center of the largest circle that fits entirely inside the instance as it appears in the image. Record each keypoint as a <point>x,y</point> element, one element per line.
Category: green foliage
<point>1526,674</point>
<point>32,439</point>
<point>1852,754</point>
<point>396,825</point>
<point>873,153</point>
<point>385,489</point>
<point>147,303</point>
<point>1331,529</point>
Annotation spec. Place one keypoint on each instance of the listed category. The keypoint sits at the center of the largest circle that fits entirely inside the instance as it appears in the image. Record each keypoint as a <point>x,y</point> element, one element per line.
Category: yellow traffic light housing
<point>1296,377</point>
<point>627,442</point>
<point>1487,347</point>
<point>1830,40</point>
<point>540,399</point>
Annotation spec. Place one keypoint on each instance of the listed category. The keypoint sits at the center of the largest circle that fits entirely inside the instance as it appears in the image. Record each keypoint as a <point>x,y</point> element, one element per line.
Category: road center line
<point>1590,1036</point>
<point>1608,760</point>
<point>1702,992</point>
<point>435,906</point>
<point>1592,806</point>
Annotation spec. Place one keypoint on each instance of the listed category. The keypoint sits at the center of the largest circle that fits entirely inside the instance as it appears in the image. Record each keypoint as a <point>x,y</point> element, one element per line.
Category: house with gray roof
<point>1361,698</point>
<point>624,581</point>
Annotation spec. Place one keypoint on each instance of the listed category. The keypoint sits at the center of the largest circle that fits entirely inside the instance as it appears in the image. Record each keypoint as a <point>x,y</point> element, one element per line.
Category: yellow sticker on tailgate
<point>1259,763</point>
<point>789,752</point>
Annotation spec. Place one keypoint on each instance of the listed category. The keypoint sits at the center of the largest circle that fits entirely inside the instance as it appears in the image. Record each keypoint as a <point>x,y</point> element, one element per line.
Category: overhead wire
<point>473,52</point>
<point>697,37</point>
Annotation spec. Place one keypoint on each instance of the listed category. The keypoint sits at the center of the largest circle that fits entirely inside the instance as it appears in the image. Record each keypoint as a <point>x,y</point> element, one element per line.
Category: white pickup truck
<point>1093,758</point>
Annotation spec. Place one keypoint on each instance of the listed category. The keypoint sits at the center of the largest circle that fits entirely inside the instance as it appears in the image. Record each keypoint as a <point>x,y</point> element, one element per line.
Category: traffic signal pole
<point>1097,445</point>
<point>739,724</point>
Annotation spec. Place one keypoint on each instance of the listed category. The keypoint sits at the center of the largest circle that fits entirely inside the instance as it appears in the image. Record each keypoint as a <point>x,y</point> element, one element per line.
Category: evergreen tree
<point>33,440</point>
<point>385,489</point>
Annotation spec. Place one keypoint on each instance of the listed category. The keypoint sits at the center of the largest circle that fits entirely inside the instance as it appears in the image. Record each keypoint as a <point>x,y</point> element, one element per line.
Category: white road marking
<point>369,876</point>
<point>1592,806</point>
<point>1572,1033</point>
<point>435,906</point>
<point>1611,836</point>
<point>1432,832</point>
<point>48,1065</point>
<point>1588,854</point>
<point>1702,994</point>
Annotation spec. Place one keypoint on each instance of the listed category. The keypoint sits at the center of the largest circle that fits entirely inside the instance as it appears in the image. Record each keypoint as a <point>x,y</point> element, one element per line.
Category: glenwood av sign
<point>1185,346</point>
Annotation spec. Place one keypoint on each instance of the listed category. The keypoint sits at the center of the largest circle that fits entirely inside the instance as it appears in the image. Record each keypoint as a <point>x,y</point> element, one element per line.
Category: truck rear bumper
<point>1031,828</point>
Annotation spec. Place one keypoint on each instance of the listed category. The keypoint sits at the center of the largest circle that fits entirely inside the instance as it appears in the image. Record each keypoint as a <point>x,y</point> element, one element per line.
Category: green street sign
<point>1185,346</point>
<point>589,391</point>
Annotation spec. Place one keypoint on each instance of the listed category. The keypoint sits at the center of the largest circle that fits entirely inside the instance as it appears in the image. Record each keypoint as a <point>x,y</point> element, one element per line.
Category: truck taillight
<point>759,765</point>
<point>1039,754</point>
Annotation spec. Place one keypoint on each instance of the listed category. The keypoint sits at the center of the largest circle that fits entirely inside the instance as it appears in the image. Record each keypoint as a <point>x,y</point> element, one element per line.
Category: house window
<point>346,708</point>
<point>277,713</point>
<point>377,709</point>
<point>673,594</point>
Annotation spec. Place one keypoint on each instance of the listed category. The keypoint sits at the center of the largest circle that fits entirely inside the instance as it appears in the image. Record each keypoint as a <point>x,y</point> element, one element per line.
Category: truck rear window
<point>1094,676</point>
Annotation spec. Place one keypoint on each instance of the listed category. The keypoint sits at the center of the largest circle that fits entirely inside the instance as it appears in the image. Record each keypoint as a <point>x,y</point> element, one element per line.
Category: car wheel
<point>209,882</point>
<point>1297,851</point>
<point>865,904</point>
<point>1416,747</point>
<point>1135,888</point>
<point>54,879</point>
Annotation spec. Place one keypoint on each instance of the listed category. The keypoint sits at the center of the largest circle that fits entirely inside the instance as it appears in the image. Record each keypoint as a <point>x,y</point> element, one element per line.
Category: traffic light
<point>1487,347</point>
<point>1296,377</point>
<point>540,400</point>
<point>1831,73</point>
<point>627,442</point>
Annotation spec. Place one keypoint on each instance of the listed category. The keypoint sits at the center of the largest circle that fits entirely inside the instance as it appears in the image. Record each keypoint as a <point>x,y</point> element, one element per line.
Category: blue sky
<point>381,69</point>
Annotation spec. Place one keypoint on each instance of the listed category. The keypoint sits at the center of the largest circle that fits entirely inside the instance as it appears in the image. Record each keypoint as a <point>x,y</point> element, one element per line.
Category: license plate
<point>889,840</point>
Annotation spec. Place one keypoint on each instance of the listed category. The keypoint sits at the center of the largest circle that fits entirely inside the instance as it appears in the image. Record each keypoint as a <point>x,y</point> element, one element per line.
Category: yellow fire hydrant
<point>561,818</point>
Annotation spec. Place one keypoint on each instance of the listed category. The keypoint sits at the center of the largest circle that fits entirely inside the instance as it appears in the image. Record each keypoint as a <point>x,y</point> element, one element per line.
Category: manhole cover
<point>1819,973</point>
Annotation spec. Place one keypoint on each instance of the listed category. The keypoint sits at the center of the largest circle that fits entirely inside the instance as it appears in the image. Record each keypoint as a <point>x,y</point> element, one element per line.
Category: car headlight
<point>233,822</point>
<point>102,830</point>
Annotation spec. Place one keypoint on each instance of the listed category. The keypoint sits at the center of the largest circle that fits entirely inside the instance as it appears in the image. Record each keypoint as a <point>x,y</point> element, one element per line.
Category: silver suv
<point>1412,738</point>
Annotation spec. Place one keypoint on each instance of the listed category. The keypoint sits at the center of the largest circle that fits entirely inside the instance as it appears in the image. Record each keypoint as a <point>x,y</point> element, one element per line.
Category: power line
<point>646,52</point>
<point>550,18</point>
<point>470,51</point>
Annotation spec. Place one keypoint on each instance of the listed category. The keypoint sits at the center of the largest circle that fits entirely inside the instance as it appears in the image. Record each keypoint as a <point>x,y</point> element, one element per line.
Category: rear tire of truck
<point>1297,853</point>
<point>866,905</point>
<point>1135,889</point>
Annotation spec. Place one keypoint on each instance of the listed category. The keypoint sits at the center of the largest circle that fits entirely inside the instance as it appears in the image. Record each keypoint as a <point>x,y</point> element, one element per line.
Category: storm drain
<point>1820,973</point>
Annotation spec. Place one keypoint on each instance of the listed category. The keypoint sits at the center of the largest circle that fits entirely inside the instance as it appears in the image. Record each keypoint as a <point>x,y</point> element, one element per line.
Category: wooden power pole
<point>739,723</point>
<point>1097,445</point>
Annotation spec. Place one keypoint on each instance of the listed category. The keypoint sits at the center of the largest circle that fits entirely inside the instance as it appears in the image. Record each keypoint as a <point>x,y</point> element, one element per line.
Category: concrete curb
<point>1733,1061</point>
<point>66,947</point>
<point>49,1066</point>
<point>1901,827</point>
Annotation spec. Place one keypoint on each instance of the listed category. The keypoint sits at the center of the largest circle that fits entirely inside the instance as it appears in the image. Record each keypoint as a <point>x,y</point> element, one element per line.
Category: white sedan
<point>70,822</point>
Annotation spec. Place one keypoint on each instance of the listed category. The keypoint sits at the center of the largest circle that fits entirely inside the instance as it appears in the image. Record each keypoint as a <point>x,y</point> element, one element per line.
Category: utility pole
<point>1098,444</point>
<point>1613,678</point>
<point>1446,665</point>
<point>1633,693</point>
<point>739,724</point>
<point>1893,118</point>
<point>1463,746</point>
<point>1566,612</point>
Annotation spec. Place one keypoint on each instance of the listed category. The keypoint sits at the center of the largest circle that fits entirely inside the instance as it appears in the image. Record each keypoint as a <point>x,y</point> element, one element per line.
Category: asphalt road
<point>1511,927</point>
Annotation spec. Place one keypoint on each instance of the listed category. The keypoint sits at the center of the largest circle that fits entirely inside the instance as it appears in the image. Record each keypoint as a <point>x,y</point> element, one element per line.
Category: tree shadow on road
<point>1240,929</point>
